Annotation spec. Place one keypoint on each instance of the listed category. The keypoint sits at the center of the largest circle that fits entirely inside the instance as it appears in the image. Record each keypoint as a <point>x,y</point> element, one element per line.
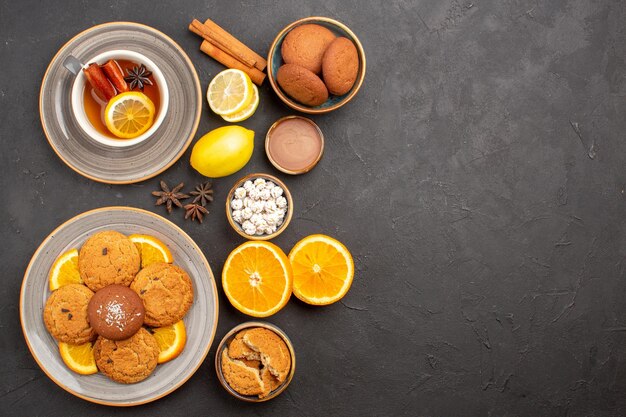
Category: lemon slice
<point>230,92</point>
<point>171,340</point>
<point>245,113</point>
<point>151,249</point>
<point>129,114</point>
<point>65,270</point>
<point>79,358</point>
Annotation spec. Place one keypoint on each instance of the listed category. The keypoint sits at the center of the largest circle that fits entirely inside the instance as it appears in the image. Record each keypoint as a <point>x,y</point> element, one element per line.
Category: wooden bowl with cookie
<point>255,361</point>
<point>316,65</point>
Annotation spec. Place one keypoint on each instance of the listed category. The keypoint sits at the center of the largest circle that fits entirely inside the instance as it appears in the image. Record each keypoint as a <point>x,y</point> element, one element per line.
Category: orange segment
<point>171,340</point>
<point>129,114</point>
<point>65,270</point>
<point>322,269</point>
<point>79,358</point>
<point>151,249</point>
<point>257,278</point>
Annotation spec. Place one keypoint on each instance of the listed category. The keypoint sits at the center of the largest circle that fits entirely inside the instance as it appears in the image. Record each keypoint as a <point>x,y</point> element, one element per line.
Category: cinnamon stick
<point>260,63</point>
<point>226,59</point>
<point>99,81</point>
<point>243,54</point>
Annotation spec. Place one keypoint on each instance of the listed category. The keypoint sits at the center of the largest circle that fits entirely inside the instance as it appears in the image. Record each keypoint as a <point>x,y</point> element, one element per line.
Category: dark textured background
<point>478,178</point>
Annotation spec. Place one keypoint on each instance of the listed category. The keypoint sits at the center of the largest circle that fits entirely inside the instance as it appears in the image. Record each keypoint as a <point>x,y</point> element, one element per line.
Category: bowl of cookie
<point>316,65</point>
<point>255,361</point>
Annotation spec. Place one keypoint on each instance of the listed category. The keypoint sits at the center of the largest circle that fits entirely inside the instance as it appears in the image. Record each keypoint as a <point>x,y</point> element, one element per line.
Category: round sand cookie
<point>65,314</point>
<point>108,258</point>
<point>129,360</point>
<point>166,291</point>
<point>243,379</point>
<point>302,85</point>
<point>273,349</point>
<point>305,45</point>
<point>340,66</point>
<point>116,312</point>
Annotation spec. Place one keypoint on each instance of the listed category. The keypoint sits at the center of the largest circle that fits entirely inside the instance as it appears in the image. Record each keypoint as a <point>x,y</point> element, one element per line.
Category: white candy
<point>270,206</point>
<point>265,194</point>
<point>248,185</point>
<point>256,218</point>
<point>276,192</point>
<point>240,193</point>
<point>257,206</point>
<point>236,204</point>
<point>246,213</point>
<point>271,218</point>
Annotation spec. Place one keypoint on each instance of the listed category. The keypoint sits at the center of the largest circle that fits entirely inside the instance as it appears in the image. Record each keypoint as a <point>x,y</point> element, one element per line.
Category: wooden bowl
<point>286,194</point>
<point>230,336</point>
<point>275,60</point>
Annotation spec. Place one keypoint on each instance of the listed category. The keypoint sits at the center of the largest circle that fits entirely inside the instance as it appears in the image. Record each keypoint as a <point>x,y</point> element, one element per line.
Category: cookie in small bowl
<point>316,65</point>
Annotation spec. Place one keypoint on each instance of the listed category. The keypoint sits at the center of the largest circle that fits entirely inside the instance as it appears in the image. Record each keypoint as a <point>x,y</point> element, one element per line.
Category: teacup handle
<point>73,64</point>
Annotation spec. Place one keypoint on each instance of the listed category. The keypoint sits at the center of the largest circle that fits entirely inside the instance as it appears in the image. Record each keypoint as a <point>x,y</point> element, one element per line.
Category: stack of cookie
<point>256,362</point>
<point>115,303</point>
<point>317,63</point>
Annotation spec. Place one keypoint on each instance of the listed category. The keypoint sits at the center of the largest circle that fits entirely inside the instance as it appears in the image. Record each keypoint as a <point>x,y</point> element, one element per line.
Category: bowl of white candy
<point>259,206</point>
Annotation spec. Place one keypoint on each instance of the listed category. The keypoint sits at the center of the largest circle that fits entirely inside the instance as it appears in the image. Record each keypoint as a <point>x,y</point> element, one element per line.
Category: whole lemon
<point>223,151</point>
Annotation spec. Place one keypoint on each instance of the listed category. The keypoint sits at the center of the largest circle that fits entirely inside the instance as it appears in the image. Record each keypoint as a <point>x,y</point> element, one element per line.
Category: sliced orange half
<point>65,270</point>
<point>257,278</point>
<point>151,249</point>
<point>129,114</point>
<point>79,358</point>
<point>171,340</point>
<point>322,269</point>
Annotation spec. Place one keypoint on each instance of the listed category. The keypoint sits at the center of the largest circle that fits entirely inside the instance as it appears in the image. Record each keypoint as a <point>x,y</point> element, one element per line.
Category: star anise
<point>138,77</point>
<point>203,194</point>
<point>170,198</point>
<point>195,211</point>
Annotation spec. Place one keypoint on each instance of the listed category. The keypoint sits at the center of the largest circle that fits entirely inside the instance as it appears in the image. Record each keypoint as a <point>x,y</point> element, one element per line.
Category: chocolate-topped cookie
<point>116,312</point>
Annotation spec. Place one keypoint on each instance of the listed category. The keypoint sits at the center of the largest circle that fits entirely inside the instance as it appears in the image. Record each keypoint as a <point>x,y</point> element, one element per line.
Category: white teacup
<point>79,108</point>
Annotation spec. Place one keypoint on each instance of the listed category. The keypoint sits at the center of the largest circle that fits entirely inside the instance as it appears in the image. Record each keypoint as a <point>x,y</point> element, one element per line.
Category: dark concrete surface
<point>478,179</point>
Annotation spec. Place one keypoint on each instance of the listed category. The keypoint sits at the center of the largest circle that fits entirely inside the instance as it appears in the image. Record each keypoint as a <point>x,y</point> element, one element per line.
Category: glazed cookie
<point>116,312</point>
<point>108,258</point>
<point>129,360</point>
<point>340,66</point>
<point>65,314</point>
<point>302,85</point>
<point>166,291</point>
<point>305,46</point>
